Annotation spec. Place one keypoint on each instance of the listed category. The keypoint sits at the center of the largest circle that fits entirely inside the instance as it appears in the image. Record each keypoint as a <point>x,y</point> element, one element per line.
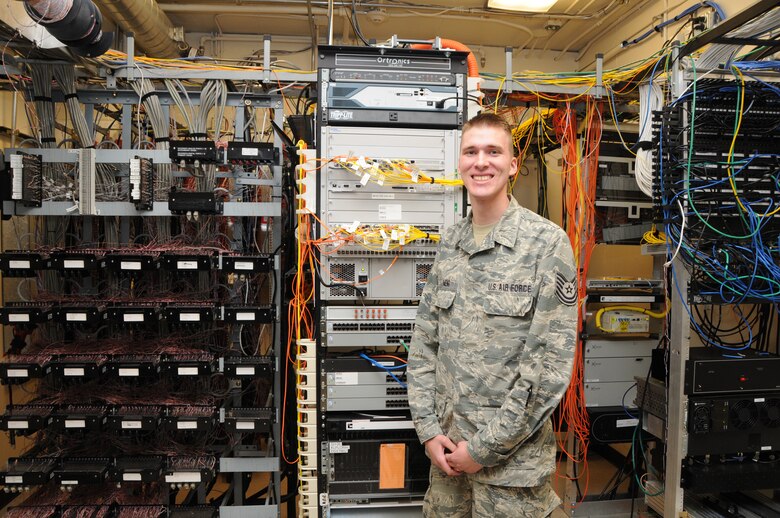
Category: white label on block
<point>14,480</point>
<point>18,373</point>
<point>245,316</point>
<point>245,425</point>
<point>131,425</point>
<point>250,151</point>
<point>625,423</point>
<point>133,317</point>
<point>18,425</point>
<point>73,371</point>
<point>18,317</point>
<point>345,378</point>
<point>187,371</point>
<point>186,265</point>
<point>766,448</point>
<point>130,265</point>
<point>17,264</point>
<point>70,482</point>
<point>245,371</point>
<point>183,476</point>
<point>189,317</point>
<point>131,477</point>
<point>187,425</point>
<point>73,263</point>
<point>76,317</point>
<point>129,371</point>
<point>338,447</point>
<point>244,265</point>
<point>75,423</point>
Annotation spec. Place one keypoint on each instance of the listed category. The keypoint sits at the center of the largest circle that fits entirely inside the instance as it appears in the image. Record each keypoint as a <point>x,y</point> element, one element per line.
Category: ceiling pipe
<point>149,24</point>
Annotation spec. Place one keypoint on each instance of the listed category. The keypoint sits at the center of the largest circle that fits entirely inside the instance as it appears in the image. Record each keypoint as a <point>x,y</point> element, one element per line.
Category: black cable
<point>356,25</point>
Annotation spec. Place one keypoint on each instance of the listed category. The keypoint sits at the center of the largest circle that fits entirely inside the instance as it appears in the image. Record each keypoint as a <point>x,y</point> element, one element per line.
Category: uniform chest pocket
<point>507,322</point>
<point>444,299</point>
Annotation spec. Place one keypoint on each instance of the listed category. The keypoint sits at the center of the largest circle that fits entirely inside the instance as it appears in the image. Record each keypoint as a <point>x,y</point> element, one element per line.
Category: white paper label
<point>245,425</point>
<point>625,423</point>
<point>18,264</point>
<point>766,448</point>
<point>75,423</point>
<point>245,317</point>
<point>133,317</point>
<point>18,317</point>
<point>131,477</point>
<point>759,400</point>
<point>244,265</point>
<point>187,425</point>
<point>364,180</point>
<point>131,425</point>
<point>14,480</point>
<point>382,196</point>
<point>187,371</point>
<point>245,371</point>
<point>70,482</point>
<point>76,317</point>
<point>353,227</point>
<point>18,425</point>
<point>338,447</point>
<point>73,371</point>
<point>130,265</point>
<point>73,263</point>
<point>390,212</point>
<point>380,424</point>
<point>129,371</point>
<point>186,265</point>
<point>183,476</point>
<point>345,378</point>
<point>189,317</point>
<point>18,373</point>
<point>250,151</point>
<point>625,298</point>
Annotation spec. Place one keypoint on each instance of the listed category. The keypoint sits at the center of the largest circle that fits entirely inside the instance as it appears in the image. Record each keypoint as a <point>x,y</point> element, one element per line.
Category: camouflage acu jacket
<point>494,343</point>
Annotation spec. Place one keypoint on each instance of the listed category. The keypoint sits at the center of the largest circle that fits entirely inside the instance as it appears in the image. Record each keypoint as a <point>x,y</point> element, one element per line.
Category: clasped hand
<point>454,463</point>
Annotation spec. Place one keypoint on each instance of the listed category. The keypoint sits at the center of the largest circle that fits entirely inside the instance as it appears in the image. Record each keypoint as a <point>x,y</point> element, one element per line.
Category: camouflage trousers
<point>461,497</point>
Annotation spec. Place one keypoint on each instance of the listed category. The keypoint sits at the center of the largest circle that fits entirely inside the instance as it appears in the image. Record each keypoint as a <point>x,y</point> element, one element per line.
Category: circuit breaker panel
<point>389,124</point>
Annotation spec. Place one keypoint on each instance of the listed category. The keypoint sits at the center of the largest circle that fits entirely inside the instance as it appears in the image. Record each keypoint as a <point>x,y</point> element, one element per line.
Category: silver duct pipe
<point>148,23</point>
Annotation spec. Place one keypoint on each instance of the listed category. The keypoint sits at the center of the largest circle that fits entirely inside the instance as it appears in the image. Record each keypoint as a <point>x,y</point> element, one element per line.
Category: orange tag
<point>392,466</point>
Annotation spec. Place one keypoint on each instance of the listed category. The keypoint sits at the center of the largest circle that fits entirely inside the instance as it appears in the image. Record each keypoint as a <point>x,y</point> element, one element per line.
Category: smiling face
<point>486,164</point>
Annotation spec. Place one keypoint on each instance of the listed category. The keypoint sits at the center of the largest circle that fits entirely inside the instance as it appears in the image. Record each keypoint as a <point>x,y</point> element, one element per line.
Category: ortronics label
<point>183,476</point>
<point>131,477</point>
<point>75,423</point>
<point>625,298</point>
<point>189,317</point>
<point>73,371</point>
<point>245,371</point>
<point>244,265</point>
<point>73,263</point>
<point>625,423</point>
<point>346,60</point>
<point>18,317</point>
<point>18,265</point>
<point>338,447</point>
<point>187,371</point>
<point>187,425</point>
<point>76,317</point>
<point>128,371</point>
<point>345,378</point>
<point>130,265</point>
<point>18,425</point>
<point>17,373</point>
<point>245,425</point>
<point>133,317</point>
<point>245,316</point>
<point>187,265</point>
<point>131,425</point>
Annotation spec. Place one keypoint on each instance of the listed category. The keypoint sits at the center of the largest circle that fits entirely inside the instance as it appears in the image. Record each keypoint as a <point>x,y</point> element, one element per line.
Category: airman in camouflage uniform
<point>493,346</point>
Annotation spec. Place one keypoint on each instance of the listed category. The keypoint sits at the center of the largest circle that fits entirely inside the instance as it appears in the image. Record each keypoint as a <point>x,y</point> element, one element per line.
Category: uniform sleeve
<point>546,364</point>
<point>421,370</point>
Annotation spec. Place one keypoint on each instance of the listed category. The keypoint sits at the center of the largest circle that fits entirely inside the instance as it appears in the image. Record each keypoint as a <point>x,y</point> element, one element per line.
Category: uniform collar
<point>504,233</point>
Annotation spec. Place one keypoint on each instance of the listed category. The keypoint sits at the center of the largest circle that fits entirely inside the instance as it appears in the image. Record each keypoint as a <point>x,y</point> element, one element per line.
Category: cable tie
<point>46,140</point>
<point>70,96</point>
<point>146,96</point>
<point>644,145</point>
<point>433,180</point>
<point>41,98</point>
<point>163,139</point>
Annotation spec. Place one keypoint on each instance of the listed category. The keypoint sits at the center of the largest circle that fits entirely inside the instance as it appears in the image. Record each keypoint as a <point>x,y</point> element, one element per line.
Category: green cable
<point>405,346</point>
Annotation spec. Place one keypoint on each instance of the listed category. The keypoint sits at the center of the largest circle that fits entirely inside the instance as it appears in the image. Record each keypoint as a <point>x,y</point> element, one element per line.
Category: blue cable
<point>385,368</point>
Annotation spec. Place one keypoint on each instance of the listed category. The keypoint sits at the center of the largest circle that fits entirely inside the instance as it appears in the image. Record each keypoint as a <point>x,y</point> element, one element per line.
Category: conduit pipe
<point>149,24</point>
<point>471,60</point>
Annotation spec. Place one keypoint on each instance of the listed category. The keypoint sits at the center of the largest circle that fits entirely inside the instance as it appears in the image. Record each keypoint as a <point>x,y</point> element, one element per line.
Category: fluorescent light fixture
<point>532,6</point>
